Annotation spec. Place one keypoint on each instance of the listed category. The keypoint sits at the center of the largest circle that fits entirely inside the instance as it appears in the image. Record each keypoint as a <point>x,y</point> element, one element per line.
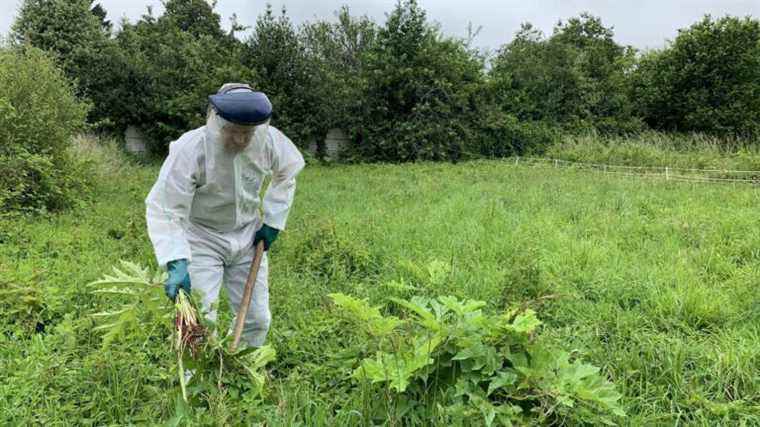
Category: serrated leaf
<point>116,292</point>
<point>525,323</point>
<point>501,380</point>
<point>396,369</point>
<point>367,316</point>
<point>110,313</point>
<point>263,355</point>
<point>424,316</point>
<point>461,307</point>
<point>399,285</point>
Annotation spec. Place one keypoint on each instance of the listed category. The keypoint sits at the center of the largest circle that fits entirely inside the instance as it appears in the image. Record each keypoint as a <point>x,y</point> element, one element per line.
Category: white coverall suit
<point>204,207</point>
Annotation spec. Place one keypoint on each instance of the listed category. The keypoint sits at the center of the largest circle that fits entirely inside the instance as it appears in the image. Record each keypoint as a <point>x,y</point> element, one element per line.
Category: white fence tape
<point>666,172</point>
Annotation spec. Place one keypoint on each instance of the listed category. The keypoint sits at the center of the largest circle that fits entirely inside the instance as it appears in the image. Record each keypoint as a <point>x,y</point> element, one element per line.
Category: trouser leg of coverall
<point>226,257</point>
<point>206,268</point>
<point>258,318</point>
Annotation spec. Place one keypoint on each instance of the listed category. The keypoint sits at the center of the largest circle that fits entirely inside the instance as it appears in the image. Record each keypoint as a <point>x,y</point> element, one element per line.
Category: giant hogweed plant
<point>454,363</point>
<point>195,340</point>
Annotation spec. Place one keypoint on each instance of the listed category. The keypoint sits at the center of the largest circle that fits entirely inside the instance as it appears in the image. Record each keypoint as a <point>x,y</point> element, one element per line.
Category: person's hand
<point>267,234</point>
<point>179,278</point>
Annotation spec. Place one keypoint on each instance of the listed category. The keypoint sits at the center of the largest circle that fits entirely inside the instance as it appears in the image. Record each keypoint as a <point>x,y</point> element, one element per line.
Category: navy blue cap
<point>241,105</point>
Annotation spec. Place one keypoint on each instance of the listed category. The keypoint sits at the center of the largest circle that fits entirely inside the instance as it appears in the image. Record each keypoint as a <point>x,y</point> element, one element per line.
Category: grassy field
<point>655,282</point>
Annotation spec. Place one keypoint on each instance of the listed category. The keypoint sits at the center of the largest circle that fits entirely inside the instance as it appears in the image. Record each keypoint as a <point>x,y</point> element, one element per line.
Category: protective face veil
<point>234,138</point>
<point>235,112</point>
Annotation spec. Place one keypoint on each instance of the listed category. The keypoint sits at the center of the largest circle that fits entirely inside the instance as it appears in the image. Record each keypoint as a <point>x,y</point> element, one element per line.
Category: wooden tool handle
<point>247,293</point>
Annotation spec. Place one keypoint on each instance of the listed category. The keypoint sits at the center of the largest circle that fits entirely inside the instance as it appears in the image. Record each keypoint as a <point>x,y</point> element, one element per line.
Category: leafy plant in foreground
<point>195,339</point>
<point>451,361</point>
<point>145,299</point>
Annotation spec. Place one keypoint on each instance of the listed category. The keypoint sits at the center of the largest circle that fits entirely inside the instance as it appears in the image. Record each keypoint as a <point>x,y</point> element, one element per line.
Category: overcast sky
<point>641,23</point>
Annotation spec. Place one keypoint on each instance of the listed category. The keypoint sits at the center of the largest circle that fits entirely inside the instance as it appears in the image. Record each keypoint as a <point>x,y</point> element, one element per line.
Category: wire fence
<point>667,173</point>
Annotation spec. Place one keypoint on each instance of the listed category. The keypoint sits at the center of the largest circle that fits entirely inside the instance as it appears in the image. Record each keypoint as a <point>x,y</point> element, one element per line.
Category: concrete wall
<point>135,141</point>
<point>335,142</point>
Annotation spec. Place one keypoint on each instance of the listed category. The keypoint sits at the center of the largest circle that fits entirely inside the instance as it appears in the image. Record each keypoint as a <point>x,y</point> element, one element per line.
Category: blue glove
<point>267,234</point>
<point>178,279</point>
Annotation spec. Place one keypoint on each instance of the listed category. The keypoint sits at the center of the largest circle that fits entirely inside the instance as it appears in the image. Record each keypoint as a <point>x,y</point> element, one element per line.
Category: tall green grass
<point>654,281</point>
<point>698,151</point>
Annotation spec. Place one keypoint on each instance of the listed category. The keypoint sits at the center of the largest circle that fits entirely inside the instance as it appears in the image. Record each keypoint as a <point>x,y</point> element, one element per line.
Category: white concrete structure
<point>135,141</point>
<point>335,142</point>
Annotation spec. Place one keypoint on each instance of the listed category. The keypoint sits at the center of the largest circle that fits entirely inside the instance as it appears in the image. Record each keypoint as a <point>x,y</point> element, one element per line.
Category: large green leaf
<point>419,307</point>
<point>365,315</point>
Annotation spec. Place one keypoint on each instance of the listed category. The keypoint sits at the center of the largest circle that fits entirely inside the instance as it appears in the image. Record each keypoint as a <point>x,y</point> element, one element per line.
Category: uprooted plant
<point>194,338</point>
<point>450,361</point>
<point>190,335</point>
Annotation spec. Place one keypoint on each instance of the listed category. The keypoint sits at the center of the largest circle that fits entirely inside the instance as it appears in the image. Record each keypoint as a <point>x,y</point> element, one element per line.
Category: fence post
<point>556,163</point>
<point>517,160</point>
<point>667,173</point>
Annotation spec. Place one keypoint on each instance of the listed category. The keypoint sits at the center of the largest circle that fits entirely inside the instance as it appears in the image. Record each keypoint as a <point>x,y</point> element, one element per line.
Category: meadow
<point>654,282</point>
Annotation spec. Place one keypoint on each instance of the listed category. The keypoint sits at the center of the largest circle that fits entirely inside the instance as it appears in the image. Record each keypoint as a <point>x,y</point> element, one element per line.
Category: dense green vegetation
<point>576,78</point>
<point>403,90</point>
<point>695,151</point>
<point>39,115</point>
<point>652,281</point>
<point>707,80</point>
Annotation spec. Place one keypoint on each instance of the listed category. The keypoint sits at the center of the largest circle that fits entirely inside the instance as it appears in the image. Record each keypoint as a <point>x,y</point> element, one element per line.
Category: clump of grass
<point>697,151</point>
<point>105,155</point>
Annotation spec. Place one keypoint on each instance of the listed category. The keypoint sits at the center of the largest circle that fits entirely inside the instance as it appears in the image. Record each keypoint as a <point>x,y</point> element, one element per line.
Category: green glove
<point>267,234</point>
<point>179,278</point>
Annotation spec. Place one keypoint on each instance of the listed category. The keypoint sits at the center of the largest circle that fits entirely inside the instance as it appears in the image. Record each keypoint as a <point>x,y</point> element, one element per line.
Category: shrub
<point>503,135</point>
<point>38,118</point>
<point>77,35</point>
<point>419,89</point>
<point>576,77</point>
<point>707,80</point>
<point>172,63</point>
<point>277,55</point>
<point>335,52</point>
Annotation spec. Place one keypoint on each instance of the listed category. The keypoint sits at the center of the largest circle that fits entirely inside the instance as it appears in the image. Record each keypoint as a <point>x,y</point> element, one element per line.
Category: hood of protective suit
<point>209,185</point>
<point>231,177</point>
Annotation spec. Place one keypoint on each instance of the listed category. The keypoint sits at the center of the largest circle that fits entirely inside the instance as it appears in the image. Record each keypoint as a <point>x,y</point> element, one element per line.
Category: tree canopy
<point>403,90</point>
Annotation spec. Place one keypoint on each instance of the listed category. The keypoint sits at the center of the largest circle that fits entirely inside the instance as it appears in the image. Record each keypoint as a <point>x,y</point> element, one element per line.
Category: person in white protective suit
<point>203,211</point>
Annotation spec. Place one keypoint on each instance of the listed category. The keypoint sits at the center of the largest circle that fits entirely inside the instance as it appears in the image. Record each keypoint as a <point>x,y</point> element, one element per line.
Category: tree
<point>335,53</point>
<point>76,35</point>
<point>101,14</point>
<point>706,80</point>
<point>172,64</point>
<point>194,16</point>
<point>64,27</point>
<point>576,77</point>
<point>276,54</point>
<point>416,104</point>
